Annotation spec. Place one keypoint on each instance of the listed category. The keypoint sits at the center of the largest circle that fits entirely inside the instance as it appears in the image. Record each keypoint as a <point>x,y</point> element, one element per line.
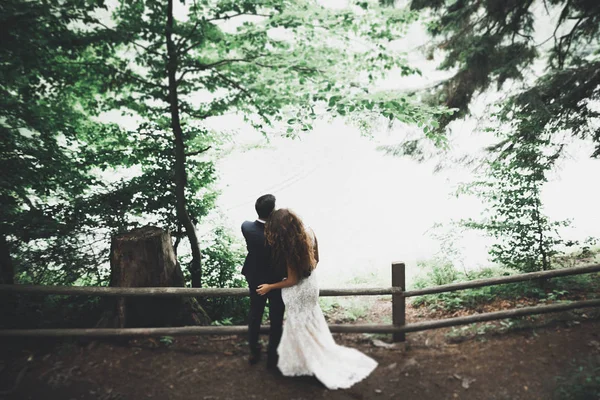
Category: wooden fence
<point>398,328</point>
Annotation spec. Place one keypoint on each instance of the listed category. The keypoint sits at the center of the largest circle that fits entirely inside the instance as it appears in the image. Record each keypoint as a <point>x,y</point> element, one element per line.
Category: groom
<point>258,270</point>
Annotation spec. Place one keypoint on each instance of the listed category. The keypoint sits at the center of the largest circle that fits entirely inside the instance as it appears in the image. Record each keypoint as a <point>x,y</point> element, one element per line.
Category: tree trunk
<point>144,257</point>
<point>540,231</point>
<point>180,173</point>
<point>543,283</point>
<point>7,272</point>
<point>9,301</point>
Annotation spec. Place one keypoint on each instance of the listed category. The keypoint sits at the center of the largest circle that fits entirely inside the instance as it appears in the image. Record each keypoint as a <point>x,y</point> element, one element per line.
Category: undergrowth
<point>442,273</point>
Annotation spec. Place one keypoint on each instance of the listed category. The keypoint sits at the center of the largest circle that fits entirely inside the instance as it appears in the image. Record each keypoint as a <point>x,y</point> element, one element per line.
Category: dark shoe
<point>272,362</point>
<point>273,369</point>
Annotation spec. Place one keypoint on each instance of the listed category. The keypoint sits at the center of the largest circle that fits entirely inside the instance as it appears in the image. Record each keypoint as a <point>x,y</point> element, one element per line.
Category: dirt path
<point>512,365</point>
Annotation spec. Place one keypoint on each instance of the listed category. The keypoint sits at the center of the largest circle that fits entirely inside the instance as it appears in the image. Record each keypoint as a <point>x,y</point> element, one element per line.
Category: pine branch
<point>568,39</point>
<point>234,84</point>
<point>199,67</point>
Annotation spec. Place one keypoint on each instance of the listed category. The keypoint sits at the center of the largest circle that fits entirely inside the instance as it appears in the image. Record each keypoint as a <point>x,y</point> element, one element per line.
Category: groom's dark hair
<point>265,205</point>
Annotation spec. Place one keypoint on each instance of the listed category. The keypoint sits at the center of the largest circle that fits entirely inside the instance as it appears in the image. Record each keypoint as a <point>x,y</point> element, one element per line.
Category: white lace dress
<point>307,347</point>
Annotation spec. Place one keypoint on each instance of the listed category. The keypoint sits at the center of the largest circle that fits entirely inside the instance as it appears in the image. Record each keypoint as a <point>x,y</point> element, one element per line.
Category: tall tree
<point>179,64</point>
<point>510,184</point>
<point>40,117</point>
<point>492,42</point>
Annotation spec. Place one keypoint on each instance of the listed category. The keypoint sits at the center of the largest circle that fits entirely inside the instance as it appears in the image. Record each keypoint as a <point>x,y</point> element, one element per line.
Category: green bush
<point>443,272</point>
<point>220,266</point>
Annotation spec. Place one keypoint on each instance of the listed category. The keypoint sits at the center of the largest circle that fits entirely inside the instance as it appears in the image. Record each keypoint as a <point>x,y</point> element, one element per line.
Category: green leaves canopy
<point>66,63</point>
<point>492,42</point>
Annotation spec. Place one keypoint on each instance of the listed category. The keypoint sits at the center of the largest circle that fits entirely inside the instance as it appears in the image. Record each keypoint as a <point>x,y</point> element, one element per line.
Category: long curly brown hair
<point>291,245</point>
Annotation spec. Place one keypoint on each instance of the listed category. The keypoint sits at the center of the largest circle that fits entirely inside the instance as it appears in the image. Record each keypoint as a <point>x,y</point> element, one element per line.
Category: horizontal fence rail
<point>174,291</point>
<point>398,328</point>
<point>503,280</point>
<point>362,328</point>
<point>243,292</point>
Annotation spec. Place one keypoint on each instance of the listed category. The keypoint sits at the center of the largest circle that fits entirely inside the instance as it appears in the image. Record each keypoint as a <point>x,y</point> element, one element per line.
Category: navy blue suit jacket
<point>258,268</point>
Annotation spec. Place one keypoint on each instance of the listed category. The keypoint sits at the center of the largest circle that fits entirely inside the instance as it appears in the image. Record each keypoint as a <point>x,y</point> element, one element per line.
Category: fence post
<point>398,300</point>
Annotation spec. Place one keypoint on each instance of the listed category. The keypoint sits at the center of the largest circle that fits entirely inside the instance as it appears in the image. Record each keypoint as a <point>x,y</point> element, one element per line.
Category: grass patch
<point>482,329</point>
<point>329,305</point>
<point>349,309</point>
<point>442,273</point>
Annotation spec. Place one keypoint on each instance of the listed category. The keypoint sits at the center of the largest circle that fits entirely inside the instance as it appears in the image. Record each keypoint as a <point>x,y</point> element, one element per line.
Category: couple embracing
<point>281,268</point>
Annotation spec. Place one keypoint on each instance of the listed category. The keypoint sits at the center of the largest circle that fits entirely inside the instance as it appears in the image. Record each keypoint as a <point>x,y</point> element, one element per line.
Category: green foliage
<point>280,64</point>
<point>345,310</point>
<point>482,330</point>
<point>587,253</point>
<point>492,42</point>
<point>172,72</point>
<point>581,381</point>
<point>221,261</point>
<point>328,305</point>
<point>440,273</point>
<point>167,340</point>
<point>45,179</point>
<point>222,322</point>
<point>71,178</point>
<point>510,186</point>
<point>458,333</point>
<point>355,312</point>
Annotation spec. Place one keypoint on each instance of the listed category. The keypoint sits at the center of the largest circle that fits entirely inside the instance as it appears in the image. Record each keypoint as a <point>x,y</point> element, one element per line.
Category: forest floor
<point>542,357</point>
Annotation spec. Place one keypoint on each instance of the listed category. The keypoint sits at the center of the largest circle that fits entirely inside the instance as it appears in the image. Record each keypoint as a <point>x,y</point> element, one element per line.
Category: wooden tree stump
<point>145,257</point>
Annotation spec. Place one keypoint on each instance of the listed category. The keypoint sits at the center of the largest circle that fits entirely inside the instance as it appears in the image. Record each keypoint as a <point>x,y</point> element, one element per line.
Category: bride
<point>307,347</point>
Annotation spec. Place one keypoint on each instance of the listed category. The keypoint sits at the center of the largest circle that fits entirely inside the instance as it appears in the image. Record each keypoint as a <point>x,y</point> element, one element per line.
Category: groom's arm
<point>245,234</point>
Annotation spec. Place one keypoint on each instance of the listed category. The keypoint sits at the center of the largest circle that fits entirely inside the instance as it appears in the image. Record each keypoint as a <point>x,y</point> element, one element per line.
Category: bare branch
<point>181,41</point>
<point>190,47</point>
<point>563,15</point>
<point>212,66</point>
<point>226,17</point>
<point>203,67</point>
<point>195,153</point>
<point>568,40</point>
<point>234,84</point>
<point>294,67</point>
<point>226,61</point>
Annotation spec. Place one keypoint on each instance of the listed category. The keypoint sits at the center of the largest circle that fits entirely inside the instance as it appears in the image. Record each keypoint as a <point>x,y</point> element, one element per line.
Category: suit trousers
<point>276,311</point>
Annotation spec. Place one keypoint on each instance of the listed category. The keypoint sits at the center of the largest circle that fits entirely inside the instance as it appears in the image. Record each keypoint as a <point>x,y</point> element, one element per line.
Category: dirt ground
<point>485,361</point>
